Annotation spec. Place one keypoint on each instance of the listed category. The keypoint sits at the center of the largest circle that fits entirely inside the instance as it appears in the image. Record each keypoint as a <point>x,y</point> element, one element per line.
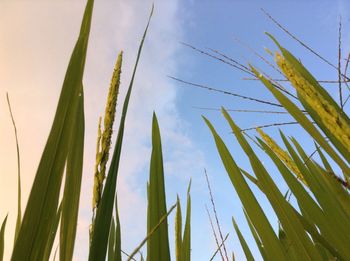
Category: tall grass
<point>60,168</point>
<point>316,228</point>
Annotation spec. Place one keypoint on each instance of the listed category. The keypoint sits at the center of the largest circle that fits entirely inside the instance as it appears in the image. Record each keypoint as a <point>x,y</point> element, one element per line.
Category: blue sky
<point>49,31</point>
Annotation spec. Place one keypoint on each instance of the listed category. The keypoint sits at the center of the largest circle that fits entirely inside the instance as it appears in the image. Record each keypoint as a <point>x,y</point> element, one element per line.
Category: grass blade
<point>244,244</point>
<point>52,236</point>
<point>19,208</point>
<point>186,241</point>
<point>102,223</point>
<point>158,243</point>
<point>2,238</point>
<point>256,237</point>
<point>43,200</point>
<point>178,230</point>
<point>111,242</point>
<point>71,195</point>
<point>117,246</point>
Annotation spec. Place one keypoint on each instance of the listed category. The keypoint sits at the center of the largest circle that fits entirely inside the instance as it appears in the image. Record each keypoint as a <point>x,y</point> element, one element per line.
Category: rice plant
<point>318,227</point>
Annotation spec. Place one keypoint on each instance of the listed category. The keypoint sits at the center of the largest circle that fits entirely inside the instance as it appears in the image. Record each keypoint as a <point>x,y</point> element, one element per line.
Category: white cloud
<point>37,39</point>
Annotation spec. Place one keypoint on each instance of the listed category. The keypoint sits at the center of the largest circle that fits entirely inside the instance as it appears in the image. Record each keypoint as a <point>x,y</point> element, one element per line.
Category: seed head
<point>330,117</point>
<point>282,155</point>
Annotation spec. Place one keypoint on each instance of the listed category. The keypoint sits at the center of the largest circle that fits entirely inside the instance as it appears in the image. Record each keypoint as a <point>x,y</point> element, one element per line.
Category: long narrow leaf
<point>178,230</point>
<point>2,238</point>
<point>256,237</point>
<point>158,243</point>
<point>111,242</point>
<point>247,252</point>
<point>43,199</point>
<point>117,246</point>
<point>51,240</point>
<point>19,207</point>
<point>186,241</point>
<point>71,195</point>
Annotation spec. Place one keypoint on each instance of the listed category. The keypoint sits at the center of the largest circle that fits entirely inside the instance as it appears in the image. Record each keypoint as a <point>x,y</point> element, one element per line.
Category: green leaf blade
<point>186,240</point>
<point>2,238</point>
<point>71,195</point>
<point>158,243</point>
<point>246,250</point>
<point>43,200</point>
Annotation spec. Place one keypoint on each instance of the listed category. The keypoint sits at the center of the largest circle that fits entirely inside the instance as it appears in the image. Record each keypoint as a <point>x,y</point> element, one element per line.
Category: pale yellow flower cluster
<point>330,117</point>
<point>281,154</point>
<point>104,139</point>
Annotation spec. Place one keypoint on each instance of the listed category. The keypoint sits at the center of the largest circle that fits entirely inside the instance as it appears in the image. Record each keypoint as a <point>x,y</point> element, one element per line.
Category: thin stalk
<point>285,80</point>
<point>225,92</point>
<point>339,66</point>
<point>154,229</point>
<point>215,213</point>
<point>237,110</point>
<point>214,233</point>
<point>235,64</point>
<point>258,55</point>
<point>300,42</point>
<point>271,125</point>
<point>19,211</point>
<point>217,250</point>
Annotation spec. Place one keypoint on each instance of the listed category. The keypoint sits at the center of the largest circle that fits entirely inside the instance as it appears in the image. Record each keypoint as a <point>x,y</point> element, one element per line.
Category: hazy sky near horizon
<point>37,38</point>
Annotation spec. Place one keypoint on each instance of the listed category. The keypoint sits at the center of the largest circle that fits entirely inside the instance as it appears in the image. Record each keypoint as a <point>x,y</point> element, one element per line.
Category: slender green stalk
<point>19,208</point>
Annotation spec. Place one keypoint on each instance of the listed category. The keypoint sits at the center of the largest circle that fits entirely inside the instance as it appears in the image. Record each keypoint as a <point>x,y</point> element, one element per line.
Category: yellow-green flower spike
<point>330,117</point>
<point>281,154</point>
<point>96,189</point>
<point>104,139</point>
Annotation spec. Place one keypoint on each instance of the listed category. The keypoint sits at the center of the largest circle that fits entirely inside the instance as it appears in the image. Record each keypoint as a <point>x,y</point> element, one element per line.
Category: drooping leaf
<point>42,204</point>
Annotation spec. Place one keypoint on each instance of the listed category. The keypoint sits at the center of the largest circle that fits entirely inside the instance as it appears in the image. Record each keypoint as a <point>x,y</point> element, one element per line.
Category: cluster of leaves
<point>317,227</point>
